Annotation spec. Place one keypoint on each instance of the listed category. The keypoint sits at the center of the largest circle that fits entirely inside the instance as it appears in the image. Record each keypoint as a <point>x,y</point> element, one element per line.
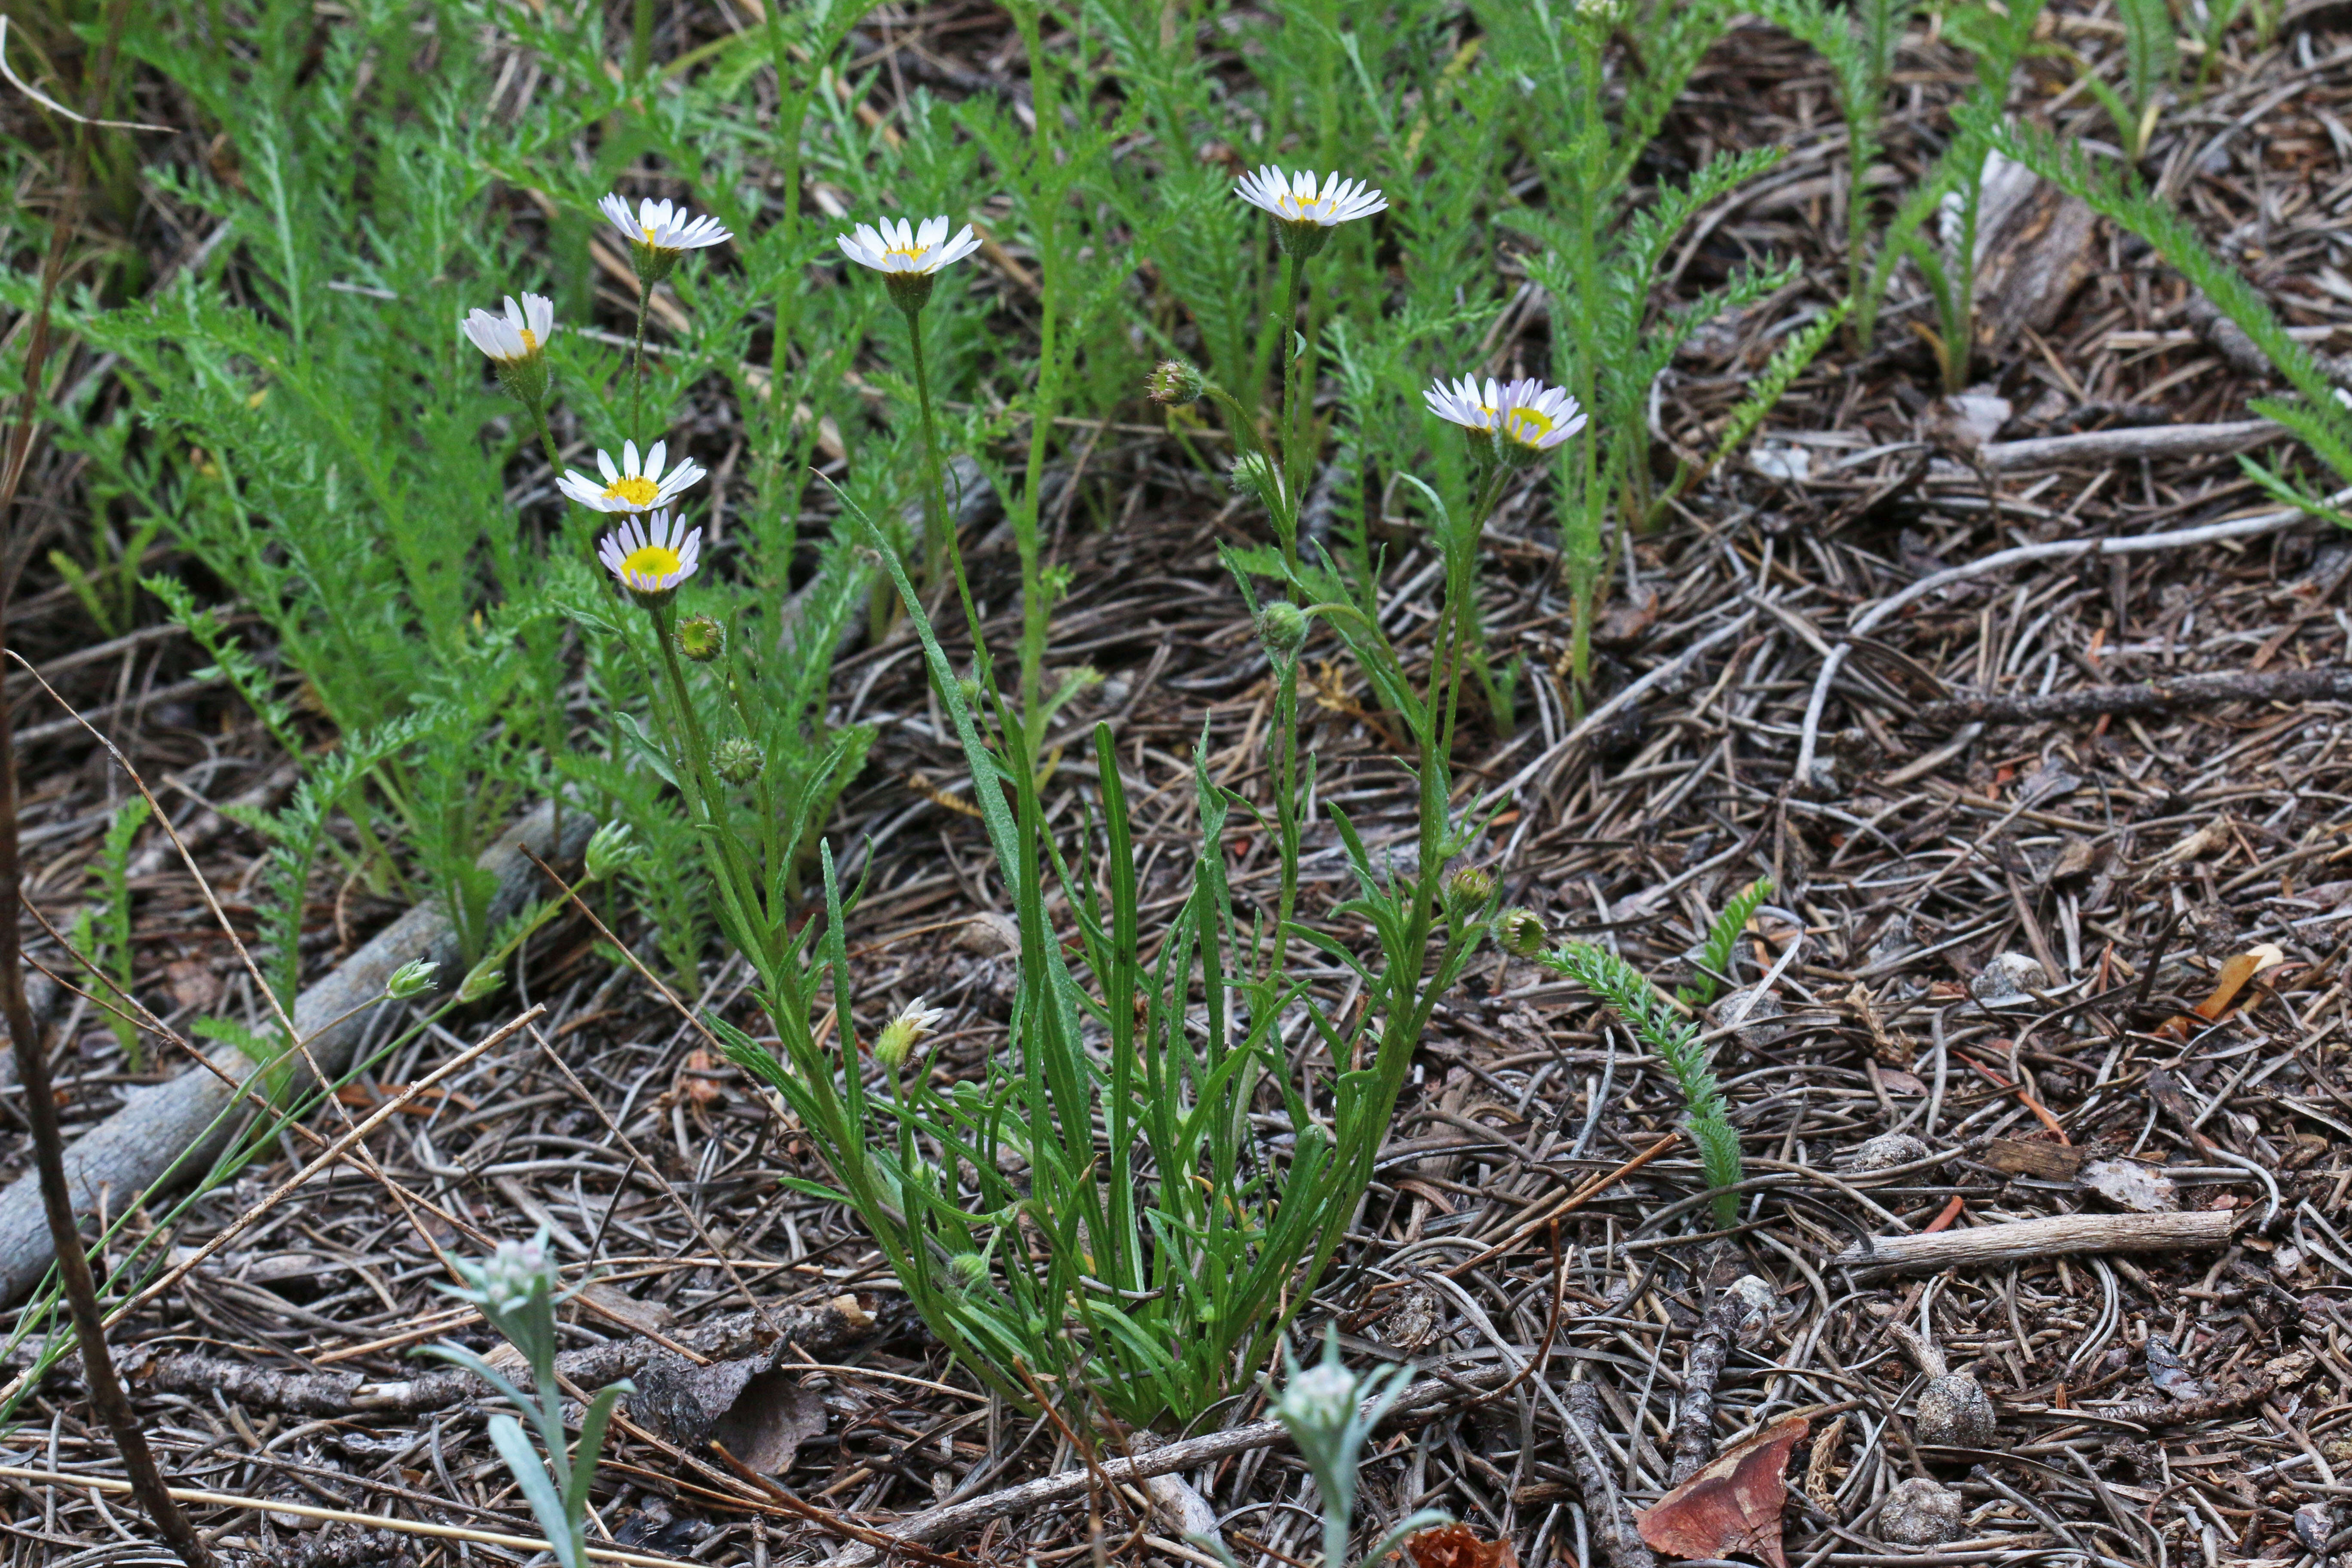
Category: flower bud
<point>700,638</point>
<point>969,688</point>
<point>483,980</point>
<point>1521,933</point>
<point>507,1279</point>
<point>1173,380</point>
<point>1254,474</point>
<point>1282,627</point>
<point>411,979</point>
<point>901,1033</point>
<point>1318,1401</point>
<point>610,851</point>
<point>970,1269</point>
<point>739,760</point>
<point>1467,891</point>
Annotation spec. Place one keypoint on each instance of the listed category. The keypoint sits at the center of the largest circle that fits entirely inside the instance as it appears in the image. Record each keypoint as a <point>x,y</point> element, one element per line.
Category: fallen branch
<point>1694,1418</point>
<point>2329,682</point>
<point>1612,1522</point>
<point>131,1150</point>
<point>2103,447</point>
<point>934,1523</point>
<point>2229,340</point>
<point>821,1330</point>
<point>1868,618</point>
<point>530,1544</point>
<point>2017,1241</point>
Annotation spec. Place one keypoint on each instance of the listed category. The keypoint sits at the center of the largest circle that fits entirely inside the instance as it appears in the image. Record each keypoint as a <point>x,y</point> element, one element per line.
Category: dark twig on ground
<point>2326,683</point>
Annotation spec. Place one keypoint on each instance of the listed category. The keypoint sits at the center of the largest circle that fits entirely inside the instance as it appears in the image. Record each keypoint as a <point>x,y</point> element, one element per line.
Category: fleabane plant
<point>1094,1207</point>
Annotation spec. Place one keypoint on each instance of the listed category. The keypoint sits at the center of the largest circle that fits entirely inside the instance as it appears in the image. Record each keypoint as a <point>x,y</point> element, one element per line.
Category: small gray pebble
<point>1758,1028</point>
<point>2007,980</point>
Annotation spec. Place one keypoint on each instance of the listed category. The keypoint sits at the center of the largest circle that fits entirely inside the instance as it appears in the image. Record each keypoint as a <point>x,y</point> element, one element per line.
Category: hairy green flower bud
<point>901,1033</point>
<point>1521,933</point>
<point>611,850</point>
<point>1467,891</point>
<point>411,979</point>
<point>1173,380</point>
<point>700,638</point>
<point>970,1269</point>
<point>739,760</point>
<point>1254,474</point>
<point>1282,627</point>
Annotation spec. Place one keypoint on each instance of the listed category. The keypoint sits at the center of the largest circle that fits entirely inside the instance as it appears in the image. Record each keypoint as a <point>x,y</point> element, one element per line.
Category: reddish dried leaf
<point>1458,1546</point>
<point>698,1081</point>
<point>1733,1505</point>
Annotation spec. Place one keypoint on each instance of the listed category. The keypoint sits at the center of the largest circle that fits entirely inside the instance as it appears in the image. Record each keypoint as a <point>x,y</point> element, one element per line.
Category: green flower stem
<point>737,882</point>
<point>1294,441</point>
<point>637,360</point>
<point>935,546</point>
<point>1287,818</point>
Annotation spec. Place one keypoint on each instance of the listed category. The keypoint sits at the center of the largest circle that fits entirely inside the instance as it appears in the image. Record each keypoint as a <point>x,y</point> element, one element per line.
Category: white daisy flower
<point>663,225</point>
<point>1520,422</point>
<point>1304,210</point>
<point>652,557</point>
<point>897,246</point>
<point>908,258</point>
<point>900,1035</point>
<point>1466,403</point>
<point>518,334</point>
<point>629,485</point>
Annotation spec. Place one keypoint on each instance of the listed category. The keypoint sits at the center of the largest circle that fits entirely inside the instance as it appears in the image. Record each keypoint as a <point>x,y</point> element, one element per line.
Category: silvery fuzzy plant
<point>517,1288</point>
<point>1329,1411</point>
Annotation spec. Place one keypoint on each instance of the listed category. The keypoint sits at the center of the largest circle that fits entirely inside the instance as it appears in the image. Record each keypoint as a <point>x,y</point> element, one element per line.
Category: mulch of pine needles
<point>2150,1409</point>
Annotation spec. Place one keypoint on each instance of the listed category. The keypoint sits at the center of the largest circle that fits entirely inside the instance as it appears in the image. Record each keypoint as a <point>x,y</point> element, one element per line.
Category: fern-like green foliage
<point>1788,362</point>
<point>1859,44</point>
<point>2114,192</point>
<point>1723,937</point>
<point>1674,1041</point>
<point>102,933</point>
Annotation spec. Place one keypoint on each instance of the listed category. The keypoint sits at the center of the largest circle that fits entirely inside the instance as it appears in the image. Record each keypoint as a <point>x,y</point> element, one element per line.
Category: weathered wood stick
<point>2019,1241</point>
<point>2101,447</point>
<point>937,1523</point>
<point>2230,340</point>
<point>2327,682</point>
<point>822,1328</point>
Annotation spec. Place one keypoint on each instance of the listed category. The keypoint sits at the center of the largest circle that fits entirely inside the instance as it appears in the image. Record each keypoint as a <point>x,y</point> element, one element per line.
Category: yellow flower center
<point>650,562</point>
<point>529,340</point>
<point>1527,425</point>
<point>636,490</point>
<point>914,256</point>
<point>1305,209</point>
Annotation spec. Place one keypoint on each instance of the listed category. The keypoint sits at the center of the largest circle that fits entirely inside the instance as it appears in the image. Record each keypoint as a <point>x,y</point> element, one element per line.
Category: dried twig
<point>2326,683</point>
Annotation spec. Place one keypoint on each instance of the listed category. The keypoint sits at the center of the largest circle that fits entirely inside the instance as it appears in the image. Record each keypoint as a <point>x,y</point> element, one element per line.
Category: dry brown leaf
<point>2240,969</point>
<point>1733,1504</point>
<point>1458,1546</point>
